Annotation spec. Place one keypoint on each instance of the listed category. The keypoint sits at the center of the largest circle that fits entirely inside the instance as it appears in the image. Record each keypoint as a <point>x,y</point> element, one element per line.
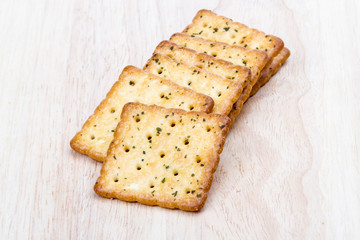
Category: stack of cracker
<point>160,129</point>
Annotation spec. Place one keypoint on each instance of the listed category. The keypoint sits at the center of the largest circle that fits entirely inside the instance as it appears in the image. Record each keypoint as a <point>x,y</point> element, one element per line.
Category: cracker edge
<point>275,66</point>
<point>75,143</point>
<point>196,206</point>
<point>265,77</point>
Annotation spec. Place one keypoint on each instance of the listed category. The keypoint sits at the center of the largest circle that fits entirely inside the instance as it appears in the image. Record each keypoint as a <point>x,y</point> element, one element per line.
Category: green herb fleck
<point>163,180</point>
<point>158,130</point>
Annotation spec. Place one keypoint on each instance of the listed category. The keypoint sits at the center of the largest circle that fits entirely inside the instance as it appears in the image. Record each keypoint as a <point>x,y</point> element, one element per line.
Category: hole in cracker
<point>191,107</point>
<point>233,36</point>
<point>138,167</point>
<point>132,83</point>
<point>149,137</point>
<point>159,71</point>
<point>162,154</point>
<point>189,83</point>
<point>162,95</point>
<point>92,137</point>
<point>116,180</point>
<point>170,56</point>
<point>175,172</point>
<point>208,129</point>
<point>112,110</point>
<point>151,185</point>
<point>126,149</point>
<point>172,124</point>
<point>187,191</point>
<point>199,66</point>
<point>214,54</point>
<point>137,119</point>
<point>186,141</point>
<point>229,77</point>
<point>198,159</point>
<point>219,94</point>
<point>205,25</point>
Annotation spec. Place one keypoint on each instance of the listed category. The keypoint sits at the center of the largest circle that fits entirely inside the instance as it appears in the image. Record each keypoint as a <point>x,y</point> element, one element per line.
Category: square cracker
<point>255,60</point>
<point>141,168</point>
<point>134,85</point>
<point>225,92</point>
<point>209,63</point>
<point>208,25</point>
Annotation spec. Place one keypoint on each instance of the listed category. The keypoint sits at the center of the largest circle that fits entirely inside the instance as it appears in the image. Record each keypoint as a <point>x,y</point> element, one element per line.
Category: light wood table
<point>290,168</point>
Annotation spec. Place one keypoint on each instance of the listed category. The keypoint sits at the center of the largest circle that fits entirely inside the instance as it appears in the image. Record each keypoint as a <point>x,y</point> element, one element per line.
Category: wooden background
<point>290,168</point>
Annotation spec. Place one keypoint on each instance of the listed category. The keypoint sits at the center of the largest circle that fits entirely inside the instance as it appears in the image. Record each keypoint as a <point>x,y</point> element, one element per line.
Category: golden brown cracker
<point>178,174</point>
<point>255,60</point>
<point>208,25</point>
<point>215,65</point>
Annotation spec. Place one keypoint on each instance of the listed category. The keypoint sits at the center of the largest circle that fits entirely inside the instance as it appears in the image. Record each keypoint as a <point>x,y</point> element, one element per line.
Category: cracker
<point>253,59</point>
<point>211,64</point>
<point>134,85</point>
<point>208,25</point>
<point>276,63</point>
<point>141,168</point>
<point>224,92</point>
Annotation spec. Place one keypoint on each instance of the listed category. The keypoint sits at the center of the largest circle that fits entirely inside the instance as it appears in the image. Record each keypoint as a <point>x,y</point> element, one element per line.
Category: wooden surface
<point>290,168</point>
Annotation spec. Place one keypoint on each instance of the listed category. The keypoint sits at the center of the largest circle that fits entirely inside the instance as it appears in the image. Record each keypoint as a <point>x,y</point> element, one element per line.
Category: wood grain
<point>290,167</point>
